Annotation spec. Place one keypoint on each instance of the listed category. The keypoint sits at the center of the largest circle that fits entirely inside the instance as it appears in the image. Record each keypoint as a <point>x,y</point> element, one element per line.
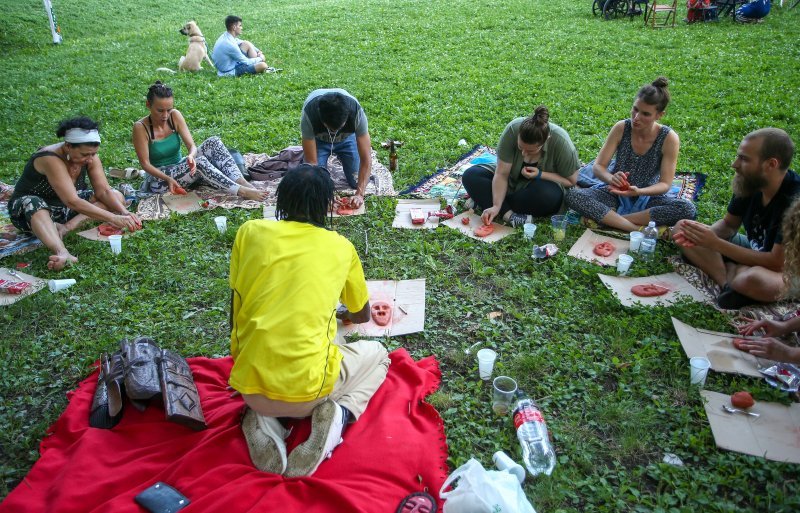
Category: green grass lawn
<point>613,382</point>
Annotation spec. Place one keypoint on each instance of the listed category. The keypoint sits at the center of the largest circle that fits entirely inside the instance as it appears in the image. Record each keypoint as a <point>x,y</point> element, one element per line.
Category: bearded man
<point>747,266</point>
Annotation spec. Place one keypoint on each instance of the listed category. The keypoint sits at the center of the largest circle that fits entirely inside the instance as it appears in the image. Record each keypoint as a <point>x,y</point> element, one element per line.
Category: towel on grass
<point>83,469</point>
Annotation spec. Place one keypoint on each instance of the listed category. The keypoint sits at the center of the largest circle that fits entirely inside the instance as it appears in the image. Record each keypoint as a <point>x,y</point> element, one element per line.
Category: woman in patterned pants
<point>157,139</point>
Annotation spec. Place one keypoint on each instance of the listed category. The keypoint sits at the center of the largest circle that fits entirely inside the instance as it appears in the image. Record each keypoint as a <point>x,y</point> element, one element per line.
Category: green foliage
<point>612,381</point>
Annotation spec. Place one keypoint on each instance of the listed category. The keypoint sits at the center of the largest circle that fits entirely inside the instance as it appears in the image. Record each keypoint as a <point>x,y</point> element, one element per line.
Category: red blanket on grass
<point>396,443</point>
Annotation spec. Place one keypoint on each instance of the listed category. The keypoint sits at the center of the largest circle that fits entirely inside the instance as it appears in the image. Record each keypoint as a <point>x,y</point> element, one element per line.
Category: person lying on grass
<point>748,266</point>
<point>646,155</point>
<point>286,279</point>
<point>536,161</point>
<point>157,139</point>
<point>52,198</point>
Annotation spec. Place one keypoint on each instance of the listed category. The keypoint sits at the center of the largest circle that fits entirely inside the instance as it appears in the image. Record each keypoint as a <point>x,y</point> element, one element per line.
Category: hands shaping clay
<point>604,249</point>
<point>107,229</point>
<point>649,290</point>
<point>345,207</point>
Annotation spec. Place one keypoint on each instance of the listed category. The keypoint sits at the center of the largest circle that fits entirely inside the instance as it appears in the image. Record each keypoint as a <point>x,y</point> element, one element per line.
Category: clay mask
<point>381,313</point>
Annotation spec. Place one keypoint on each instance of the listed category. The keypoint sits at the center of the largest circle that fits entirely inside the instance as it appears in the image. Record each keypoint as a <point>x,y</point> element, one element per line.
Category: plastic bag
<point>482,491</point>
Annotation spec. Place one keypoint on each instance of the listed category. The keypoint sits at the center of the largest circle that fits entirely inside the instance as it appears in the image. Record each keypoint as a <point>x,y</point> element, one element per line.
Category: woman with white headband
<point>52,197</point>
<point>157,139</point>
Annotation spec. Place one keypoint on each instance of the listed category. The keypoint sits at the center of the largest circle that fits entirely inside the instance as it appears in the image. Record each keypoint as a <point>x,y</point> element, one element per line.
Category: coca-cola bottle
<point>537,451</point>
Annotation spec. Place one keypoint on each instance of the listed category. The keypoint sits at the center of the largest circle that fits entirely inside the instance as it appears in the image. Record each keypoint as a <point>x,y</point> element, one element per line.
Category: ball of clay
<point>737,343</point>
<point>180,190</point>
<point>465,221</point>
<point>742,400</point>
<point>604,249</point>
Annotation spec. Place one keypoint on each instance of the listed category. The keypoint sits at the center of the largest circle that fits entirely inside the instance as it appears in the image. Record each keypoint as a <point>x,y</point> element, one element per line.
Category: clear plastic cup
<point>486,358</point>
<point>503,391</point>
<point>559,224</point>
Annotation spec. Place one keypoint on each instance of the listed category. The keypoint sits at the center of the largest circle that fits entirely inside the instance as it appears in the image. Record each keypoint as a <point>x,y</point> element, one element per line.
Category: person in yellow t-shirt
<point>287,277</point>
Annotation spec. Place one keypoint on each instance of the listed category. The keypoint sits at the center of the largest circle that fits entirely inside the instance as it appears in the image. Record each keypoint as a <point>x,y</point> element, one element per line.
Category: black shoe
<point>729,299</point>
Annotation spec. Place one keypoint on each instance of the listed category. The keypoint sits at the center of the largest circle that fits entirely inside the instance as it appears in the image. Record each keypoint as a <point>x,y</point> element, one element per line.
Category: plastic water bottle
<point>537,452</point>
<point>648,246</point>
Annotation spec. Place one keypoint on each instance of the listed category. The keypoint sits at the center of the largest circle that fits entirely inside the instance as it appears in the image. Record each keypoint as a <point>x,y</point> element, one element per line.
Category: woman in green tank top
<point>157,139</point>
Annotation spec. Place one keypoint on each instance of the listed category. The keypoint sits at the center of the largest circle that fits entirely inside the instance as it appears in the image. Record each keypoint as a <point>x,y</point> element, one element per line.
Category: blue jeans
<point>347,151</point>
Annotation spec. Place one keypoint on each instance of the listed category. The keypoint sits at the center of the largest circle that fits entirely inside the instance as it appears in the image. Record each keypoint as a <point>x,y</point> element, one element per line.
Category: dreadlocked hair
<point>791,246</point>
<point>305,195</point>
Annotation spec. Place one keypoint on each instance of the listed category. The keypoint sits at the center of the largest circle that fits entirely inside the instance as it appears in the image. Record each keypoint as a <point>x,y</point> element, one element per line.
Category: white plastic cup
<point>56,285</point>
<point>504,462</point>
<point>486,358</point>
<point>529,230</point>
<point>699,366</point>
<point>503,391</point>
<point>624,263</point>
<point>433,220</point>
<point>636,240</point>
<point>115,241</point>
<point>222,223</point>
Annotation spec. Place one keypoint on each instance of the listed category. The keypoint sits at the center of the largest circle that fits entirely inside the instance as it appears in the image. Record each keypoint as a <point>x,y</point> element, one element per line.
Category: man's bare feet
<point>253,194</point>
<point>58,262</point>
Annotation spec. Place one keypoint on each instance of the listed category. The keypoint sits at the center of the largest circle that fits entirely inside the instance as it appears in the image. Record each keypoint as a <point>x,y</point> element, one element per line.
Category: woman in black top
<point>51,197</point>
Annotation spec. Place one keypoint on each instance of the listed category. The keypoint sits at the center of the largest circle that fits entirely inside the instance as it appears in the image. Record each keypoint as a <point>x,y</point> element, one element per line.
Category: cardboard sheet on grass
<point>94,234</point>
<point>37,284</point>
<point>402,213</point>
<point>718,348</point>
<point>678,288</point>
<point>500,231</point>
<point>407,298</point>
<point>584,248</point>
<point>268,212</point>
<point>774,435</point>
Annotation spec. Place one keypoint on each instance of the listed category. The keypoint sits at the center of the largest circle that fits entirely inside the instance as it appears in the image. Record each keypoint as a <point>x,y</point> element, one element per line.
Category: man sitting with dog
<point>233,56</point>
<point>333,122</point>
<point>747,267</point>
<point>289,360</point>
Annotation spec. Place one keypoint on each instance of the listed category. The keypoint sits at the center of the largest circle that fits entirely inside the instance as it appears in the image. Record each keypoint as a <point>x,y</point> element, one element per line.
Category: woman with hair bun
<point>51,198</point>
<point>636,182</point>
<point>536,160</point>
<point>157,139</point>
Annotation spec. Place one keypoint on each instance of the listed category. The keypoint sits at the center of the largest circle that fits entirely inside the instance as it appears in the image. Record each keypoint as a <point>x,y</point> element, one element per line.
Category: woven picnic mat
<point>709,288</point>
<point>380,184</point>
<point>12,241</point>
<point>446,182</point>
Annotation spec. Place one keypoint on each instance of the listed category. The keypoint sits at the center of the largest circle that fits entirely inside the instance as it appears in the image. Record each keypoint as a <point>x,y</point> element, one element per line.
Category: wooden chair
<point>658,15</point>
